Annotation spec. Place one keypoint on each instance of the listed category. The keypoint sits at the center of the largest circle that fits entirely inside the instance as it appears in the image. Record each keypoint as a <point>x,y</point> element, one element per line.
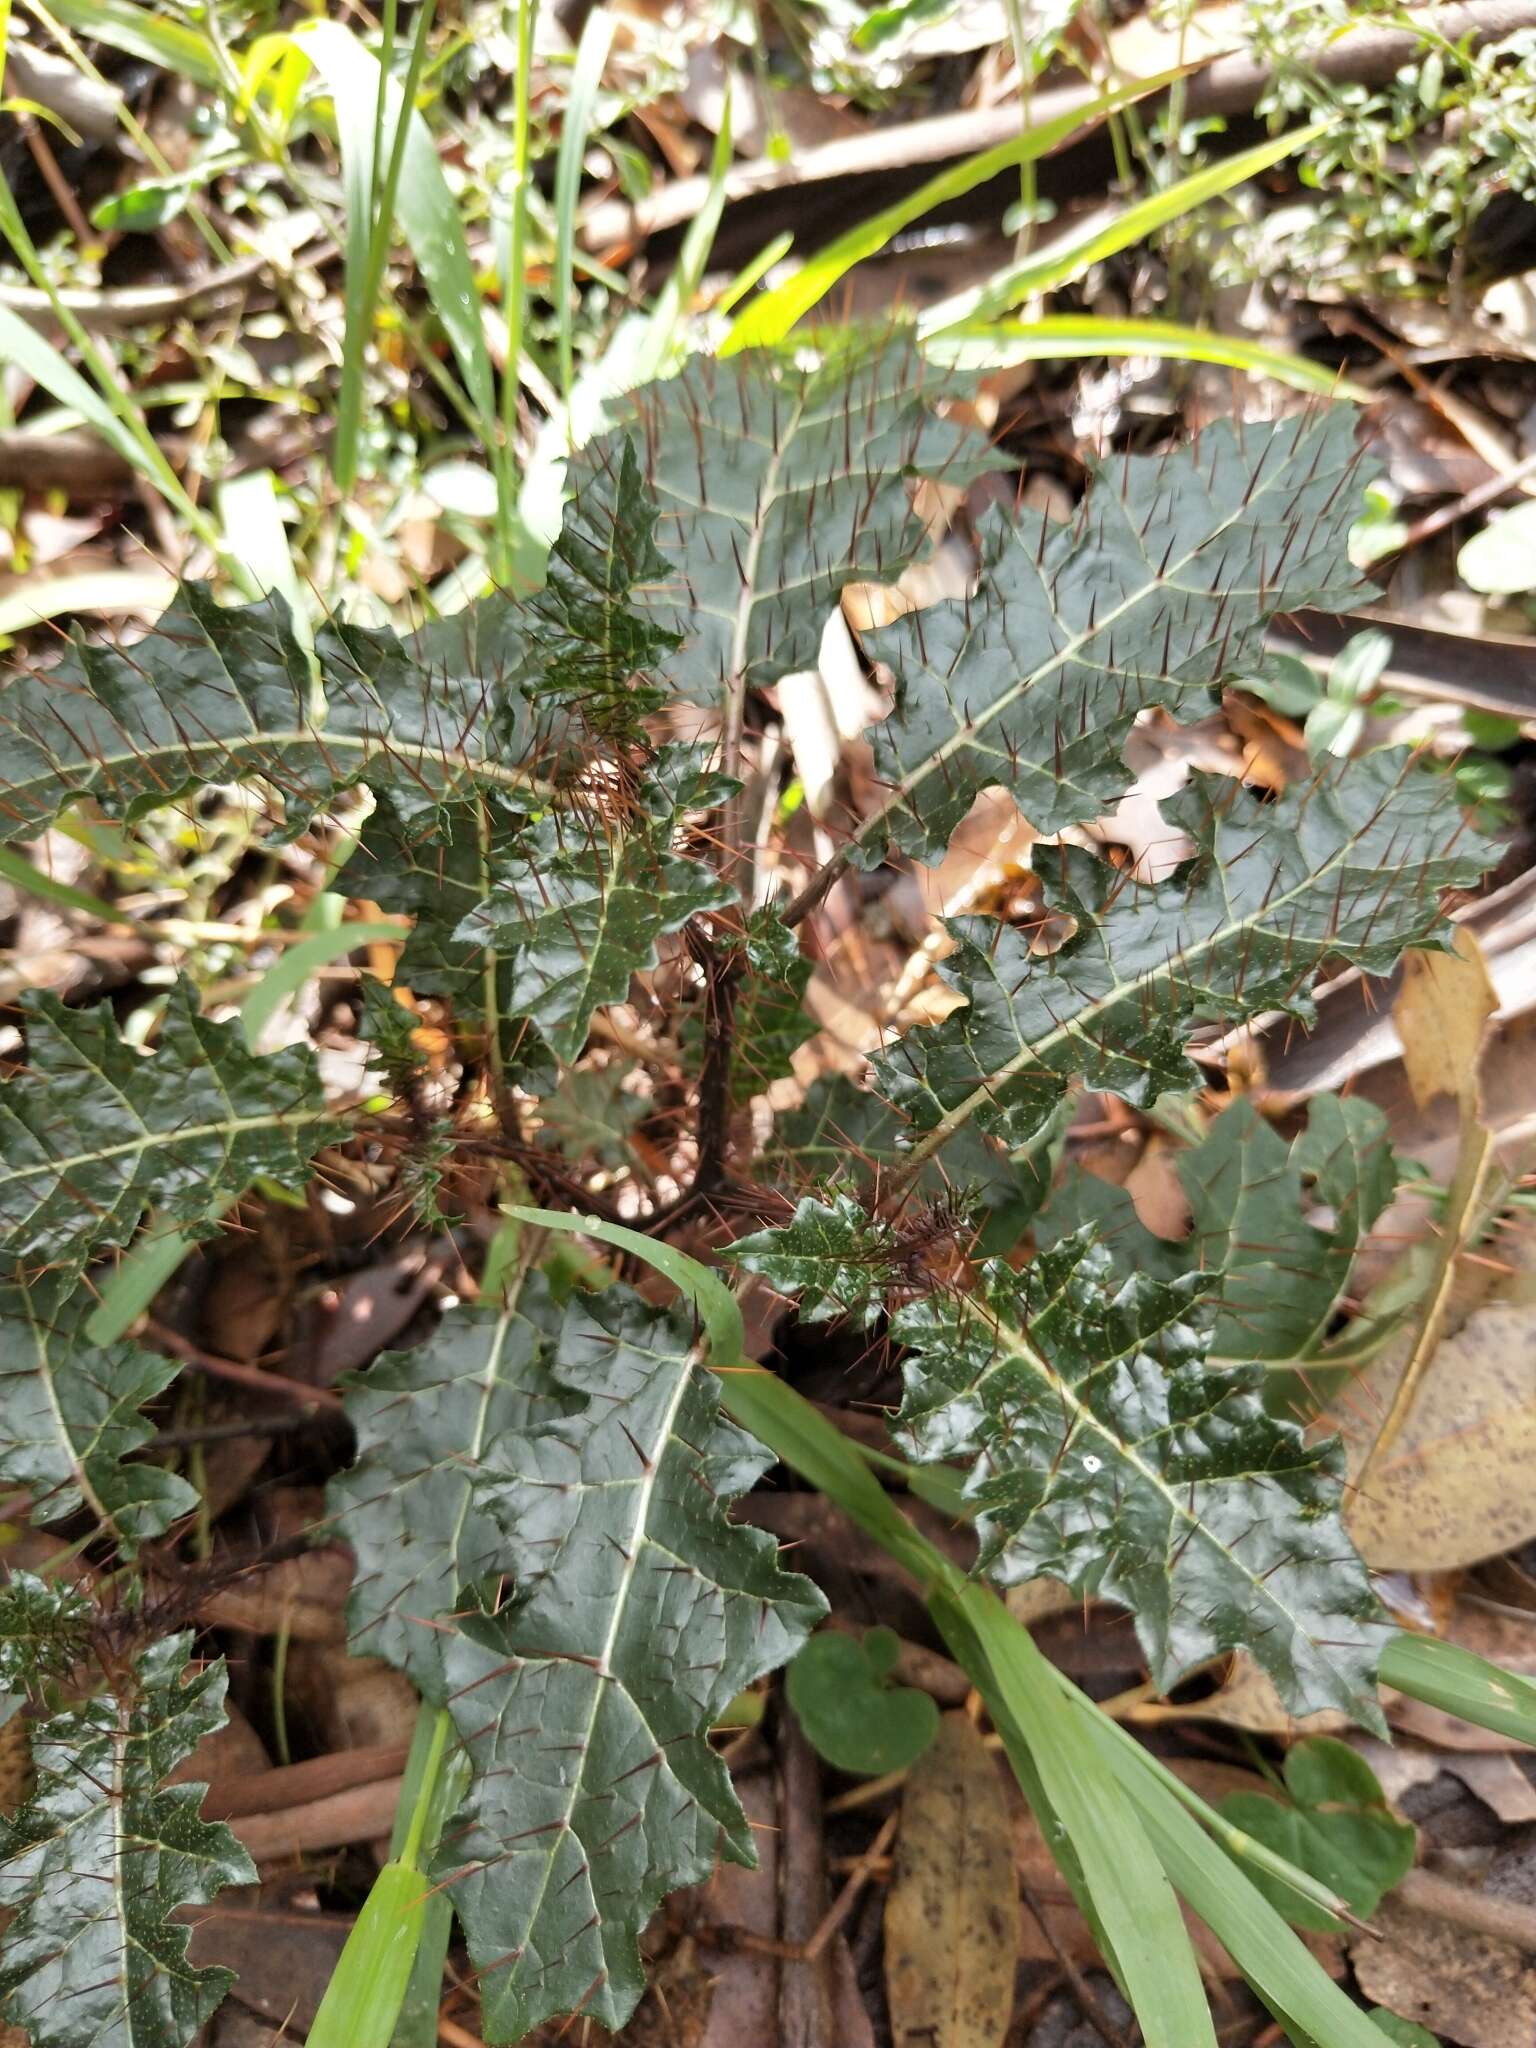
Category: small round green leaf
<point>1338,1826</point>
<point>851,1715</point>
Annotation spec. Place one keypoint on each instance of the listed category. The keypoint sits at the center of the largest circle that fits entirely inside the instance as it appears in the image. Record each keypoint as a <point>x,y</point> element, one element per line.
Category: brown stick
<point>239,1375</point>
<point>1230,85</point>
<point>1483,1912</point>
<point>288,1786</point>
<point>360,1814</point>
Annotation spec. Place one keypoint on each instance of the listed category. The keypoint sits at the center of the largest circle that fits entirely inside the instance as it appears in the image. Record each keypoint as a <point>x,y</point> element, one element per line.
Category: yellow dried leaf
<point>952,1917</point>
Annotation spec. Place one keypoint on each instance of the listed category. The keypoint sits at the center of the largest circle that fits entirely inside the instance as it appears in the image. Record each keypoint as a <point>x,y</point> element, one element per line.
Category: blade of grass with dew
<point>1063,261</point>
<point>1460,1682</point>
<point>1000,344</point>
<point>580,107</point>
<point>287,975</point>
<point>770,318</point>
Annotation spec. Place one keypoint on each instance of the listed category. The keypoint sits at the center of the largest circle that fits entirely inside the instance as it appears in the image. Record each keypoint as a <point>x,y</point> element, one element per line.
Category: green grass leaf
<point>1061,262</point>
<point>980,345</point>
<point>769,319</point>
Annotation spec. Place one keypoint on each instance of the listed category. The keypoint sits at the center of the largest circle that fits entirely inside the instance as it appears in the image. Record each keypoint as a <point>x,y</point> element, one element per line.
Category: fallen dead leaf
<point>952,1916</point>
<point>1246,1699</point>
<point>1455,1485</point>
<point>1465,1987</point>
<point>1443,1015</point>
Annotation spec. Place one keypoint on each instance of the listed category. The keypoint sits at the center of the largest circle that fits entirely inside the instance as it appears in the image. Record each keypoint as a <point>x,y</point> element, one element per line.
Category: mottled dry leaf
<point>1442,1017</point>
<point>952,1918</point>
<point>1455,1485</point>
<point>1465,1987</point>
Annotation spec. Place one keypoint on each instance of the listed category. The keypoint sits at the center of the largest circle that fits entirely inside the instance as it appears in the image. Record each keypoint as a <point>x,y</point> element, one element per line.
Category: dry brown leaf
<point>1442,1015</point>
<point>1246,1699</point>
<point>1455,1486</point>
<point>952,1916</point>
<point>1465,1987</point>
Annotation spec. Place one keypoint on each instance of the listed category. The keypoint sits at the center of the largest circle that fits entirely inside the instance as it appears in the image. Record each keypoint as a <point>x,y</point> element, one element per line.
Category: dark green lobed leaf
<point>834,1255</point>
<point>1156,592</point>
<point>98,1859</point>
<point>581,916</point>
<point>594,643</point>
<point>1275,1227</point>
<point>1107,1455</point>
<point>1347,868</point>
<point>424,1419</point>
<point>92,1132</point>
<point>43,1631</point>
<point>1282,1273</point>
<point>70,1415</point>
<point>770,1020</point>
<point>842,1133</point>
<point>779,485</point>
<point>640,1612</point>
<point>226,695</point>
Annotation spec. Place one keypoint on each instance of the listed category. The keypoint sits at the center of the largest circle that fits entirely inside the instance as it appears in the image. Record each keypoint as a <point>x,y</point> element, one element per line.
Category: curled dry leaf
<point>952,1918</point>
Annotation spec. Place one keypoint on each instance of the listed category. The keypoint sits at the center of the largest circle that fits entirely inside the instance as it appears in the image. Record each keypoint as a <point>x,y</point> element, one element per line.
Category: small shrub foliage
<point>538,1501</point>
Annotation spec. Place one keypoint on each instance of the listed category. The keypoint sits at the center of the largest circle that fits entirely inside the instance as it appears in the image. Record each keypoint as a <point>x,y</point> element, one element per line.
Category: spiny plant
<point>538,1499</point>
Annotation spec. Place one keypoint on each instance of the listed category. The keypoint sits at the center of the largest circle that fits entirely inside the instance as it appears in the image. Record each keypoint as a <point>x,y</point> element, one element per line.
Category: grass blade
<point>1276,1962</point>
<point>16,869</point>
<point>1000,344</point>
<point>142,32</point>
<point>248,506</point>
<point>1133,1900</point>
<point>770,318</point>
<point>1460,1682</point>
<point>580,107</point>
<point>426,209</point>
<point>288,975</point>
<point>146,592</point>
<point>144,1271</point>
<point>1070,257</point>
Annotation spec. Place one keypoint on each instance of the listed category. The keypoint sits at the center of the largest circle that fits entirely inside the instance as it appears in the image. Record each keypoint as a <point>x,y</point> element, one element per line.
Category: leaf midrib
<point>54,1166</point>
<point>1013,1341</point>
<point>1174,966</point>
<point>964,734</point>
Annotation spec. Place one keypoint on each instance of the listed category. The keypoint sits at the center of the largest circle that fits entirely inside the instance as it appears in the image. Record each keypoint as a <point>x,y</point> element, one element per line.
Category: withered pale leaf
<point>952,1917</point>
